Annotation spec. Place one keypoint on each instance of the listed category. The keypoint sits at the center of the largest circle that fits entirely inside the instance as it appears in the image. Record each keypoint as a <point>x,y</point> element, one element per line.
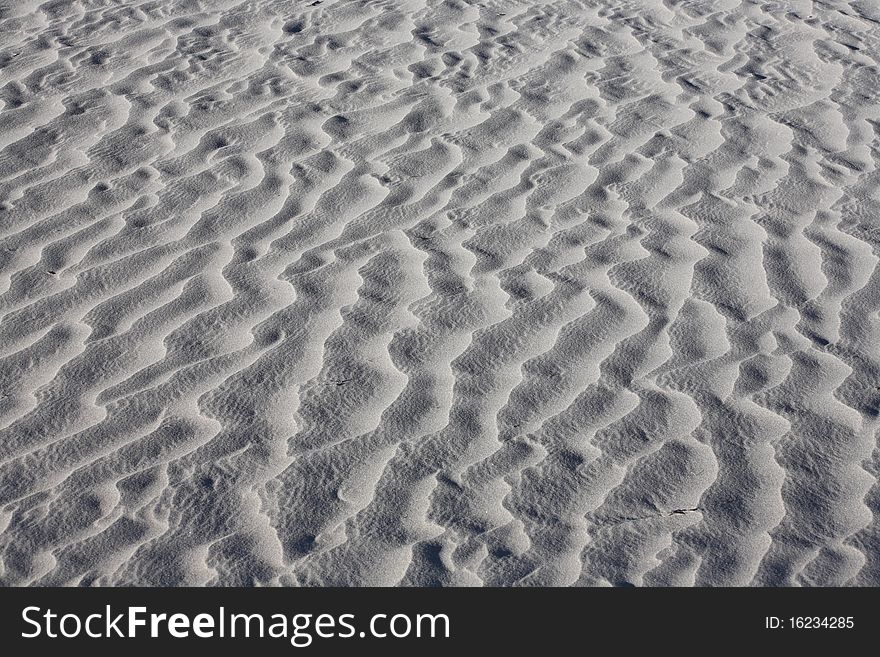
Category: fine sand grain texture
<point>439,292</point>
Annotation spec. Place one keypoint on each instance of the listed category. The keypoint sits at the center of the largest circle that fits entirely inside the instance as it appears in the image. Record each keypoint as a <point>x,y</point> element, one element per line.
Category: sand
<point>447,293</point>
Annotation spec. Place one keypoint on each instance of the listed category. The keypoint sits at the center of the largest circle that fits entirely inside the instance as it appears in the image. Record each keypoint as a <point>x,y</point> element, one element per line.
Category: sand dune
<point>497,292</point>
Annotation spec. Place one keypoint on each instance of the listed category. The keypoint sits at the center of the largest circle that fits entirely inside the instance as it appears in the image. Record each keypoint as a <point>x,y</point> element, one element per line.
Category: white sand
<point>458,293</point>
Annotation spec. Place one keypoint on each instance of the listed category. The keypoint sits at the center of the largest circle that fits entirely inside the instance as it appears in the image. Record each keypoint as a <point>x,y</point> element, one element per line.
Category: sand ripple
<point>439,293</point>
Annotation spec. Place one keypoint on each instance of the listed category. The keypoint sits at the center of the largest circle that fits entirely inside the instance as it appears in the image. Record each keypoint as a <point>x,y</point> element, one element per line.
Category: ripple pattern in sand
<point>570,292</point>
